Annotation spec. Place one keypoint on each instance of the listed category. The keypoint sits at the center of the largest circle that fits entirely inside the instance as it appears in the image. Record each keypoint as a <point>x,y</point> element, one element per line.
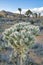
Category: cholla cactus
<point>21,36</point>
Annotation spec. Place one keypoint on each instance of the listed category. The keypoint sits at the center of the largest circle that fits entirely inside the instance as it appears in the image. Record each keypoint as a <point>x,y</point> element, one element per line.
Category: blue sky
<point>13,5</point>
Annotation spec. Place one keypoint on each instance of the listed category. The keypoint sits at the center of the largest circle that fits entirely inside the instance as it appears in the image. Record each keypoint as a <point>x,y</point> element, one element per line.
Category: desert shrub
<point>21,37</point>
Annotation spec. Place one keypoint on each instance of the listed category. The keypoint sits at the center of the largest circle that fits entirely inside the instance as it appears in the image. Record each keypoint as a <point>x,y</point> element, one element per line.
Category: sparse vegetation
<point>7,19</point>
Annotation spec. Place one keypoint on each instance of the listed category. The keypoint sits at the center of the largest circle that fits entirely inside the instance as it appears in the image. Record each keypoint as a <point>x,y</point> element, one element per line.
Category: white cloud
<point>37,10</point>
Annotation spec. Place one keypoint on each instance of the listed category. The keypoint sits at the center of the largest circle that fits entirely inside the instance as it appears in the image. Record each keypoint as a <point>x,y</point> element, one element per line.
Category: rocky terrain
<point>35,55</point>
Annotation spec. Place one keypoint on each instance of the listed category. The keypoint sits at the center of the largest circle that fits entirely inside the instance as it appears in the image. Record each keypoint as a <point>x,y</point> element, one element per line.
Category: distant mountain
<point>8,14</point>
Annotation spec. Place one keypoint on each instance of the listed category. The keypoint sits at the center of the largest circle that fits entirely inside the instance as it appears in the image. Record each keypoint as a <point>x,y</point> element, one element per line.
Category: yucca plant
<point>21,37</point>
<point>19,9</point>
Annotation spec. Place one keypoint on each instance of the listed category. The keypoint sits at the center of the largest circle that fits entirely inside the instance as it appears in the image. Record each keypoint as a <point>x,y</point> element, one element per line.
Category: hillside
<point>4,13</point>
